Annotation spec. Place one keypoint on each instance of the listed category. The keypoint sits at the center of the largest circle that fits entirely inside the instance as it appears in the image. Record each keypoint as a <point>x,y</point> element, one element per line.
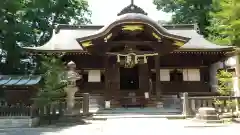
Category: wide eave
<point>75,39</point>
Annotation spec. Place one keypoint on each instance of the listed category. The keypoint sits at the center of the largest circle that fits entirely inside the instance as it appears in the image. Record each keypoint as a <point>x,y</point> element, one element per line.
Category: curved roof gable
<point>132,18</point>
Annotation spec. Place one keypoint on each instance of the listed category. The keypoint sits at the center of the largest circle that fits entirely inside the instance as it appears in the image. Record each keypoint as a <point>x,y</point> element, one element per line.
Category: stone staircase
<point>152,102</point>
<point>170,103</point>
<point>96,101</point>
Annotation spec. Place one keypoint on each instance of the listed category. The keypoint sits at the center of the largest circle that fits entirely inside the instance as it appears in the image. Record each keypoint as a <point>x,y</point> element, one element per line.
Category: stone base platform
<point>146,110</point>
<point>69,120</point>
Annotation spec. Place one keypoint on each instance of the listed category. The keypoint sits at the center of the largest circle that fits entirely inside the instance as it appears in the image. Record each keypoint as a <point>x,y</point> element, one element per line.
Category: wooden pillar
<point>115,81</point>
<point>157,68</point>
<point>106,75</point>
<point>112,84</point>
<point>143,78</point>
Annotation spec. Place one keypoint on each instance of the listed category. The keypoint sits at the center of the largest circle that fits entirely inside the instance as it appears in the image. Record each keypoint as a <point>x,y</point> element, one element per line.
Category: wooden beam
<point>116,43</point>
<point>141,53</point>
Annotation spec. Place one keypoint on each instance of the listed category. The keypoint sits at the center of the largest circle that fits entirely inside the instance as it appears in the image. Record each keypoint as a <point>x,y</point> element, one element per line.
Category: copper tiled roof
<point>14,80</point>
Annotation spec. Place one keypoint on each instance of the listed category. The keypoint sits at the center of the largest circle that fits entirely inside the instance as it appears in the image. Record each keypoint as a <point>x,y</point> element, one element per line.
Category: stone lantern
<point>71,89</point>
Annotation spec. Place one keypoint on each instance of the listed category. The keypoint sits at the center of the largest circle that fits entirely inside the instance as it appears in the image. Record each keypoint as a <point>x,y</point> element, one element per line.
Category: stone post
<point>236,79</point>
<point>185,103</point>
<point>85,103</point>
<point>71,88</point>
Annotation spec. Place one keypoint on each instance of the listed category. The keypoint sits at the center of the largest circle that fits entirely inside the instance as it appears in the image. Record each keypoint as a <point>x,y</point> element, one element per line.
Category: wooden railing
<point>222,104</point>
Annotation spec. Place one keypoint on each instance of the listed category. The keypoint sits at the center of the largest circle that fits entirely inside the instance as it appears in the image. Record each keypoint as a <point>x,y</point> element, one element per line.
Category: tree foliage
<point>54,81</point>
<point>225,85</point>
<point>225,88</point>
<point>187,11</point>
<point>30,23</point>
<point>225,22</point>
<point>11,33</point>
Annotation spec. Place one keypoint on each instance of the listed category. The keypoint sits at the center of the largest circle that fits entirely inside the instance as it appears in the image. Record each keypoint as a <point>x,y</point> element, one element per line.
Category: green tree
<point>187,11</point>
<point>225,85</point>
<point>11,34</point>
<point>30,23</point>
<point>225,88</point>
<point>225,22</point>
<point>54,81</point>
<point>43,15</point>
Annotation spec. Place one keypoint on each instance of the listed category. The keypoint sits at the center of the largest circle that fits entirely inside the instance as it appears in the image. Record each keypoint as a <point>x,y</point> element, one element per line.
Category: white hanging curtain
<point>94,76</point>
<point>185,75</point>
<point>164,75</point>
<point>191,75</point>
<point>194,75</point>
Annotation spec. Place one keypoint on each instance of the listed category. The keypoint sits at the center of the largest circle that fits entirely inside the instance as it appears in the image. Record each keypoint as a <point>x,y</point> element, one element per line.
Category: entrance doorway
<point>129,78</point>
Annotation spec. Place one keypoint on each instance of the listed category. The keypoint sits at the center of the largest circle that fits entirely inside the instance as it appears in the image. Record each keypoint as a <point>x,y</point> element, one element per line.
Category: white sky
<point>104,11</point>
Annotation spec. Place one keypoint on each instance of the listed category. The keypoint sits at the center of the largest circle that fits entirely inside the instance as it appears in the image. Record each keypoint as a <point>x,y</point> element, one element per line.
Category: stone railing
<point>10,110</point>
<point>81,106</point>
<point>222,104</point>
<point>18,110</point>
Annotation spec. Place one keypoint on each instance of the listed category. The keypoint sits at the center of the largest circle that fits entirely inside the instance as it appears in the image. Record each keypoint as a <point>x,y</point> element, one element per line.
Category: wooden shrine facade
<point>164,75</point>
<point>135,55</point>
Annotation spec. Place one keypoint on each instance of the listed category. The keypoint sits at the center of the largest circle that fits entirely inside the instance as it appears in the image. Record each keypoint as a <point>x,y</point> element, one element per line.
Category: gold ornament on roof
<point>178,43</point>
<point>132,27</point>
<point>87,44</point>
<point>156,36</point>
<point>107,37</point>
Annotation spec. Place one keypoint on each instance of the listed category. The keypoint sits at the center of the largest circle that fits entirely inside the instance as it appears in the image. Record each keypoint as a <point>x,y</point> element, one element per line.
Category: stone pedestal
<point>207,113</point>
<point>70,98</point>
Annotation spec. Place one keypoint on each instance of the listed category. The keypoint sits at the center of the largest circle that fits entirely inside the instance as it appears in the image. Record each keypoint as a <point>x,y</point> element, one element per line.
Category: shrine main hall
<point>137,57</point>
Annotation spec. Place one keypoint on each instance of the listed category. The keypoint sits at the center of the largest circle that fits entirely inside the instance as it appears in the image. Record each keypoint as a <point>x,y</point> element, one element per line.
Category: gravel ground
<point>124,126</point>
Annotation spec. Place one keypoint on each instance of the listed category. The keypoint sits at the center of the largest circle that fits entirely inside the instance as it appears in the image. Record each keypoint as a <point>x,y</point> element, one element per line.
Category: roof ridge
<point>59,27</point>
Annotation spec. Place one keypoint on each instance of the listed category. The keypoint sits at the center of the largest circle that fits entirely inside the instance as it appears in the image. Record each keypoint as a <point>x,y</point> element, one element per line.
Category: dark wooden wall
<point>187,60</point>
<point>21,95</point>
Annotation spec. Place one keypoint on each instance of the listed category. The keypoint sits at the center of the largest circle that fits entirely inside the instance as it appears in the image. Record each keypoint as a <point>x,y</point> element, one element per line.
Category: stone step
<point>14,123</point>
<point>148,110</point>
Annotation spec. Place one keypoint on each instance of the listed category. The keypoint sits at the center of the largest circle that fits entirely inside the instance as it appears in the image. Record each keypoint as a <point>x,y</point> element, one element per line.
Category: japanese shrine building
<point>134,55</point>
